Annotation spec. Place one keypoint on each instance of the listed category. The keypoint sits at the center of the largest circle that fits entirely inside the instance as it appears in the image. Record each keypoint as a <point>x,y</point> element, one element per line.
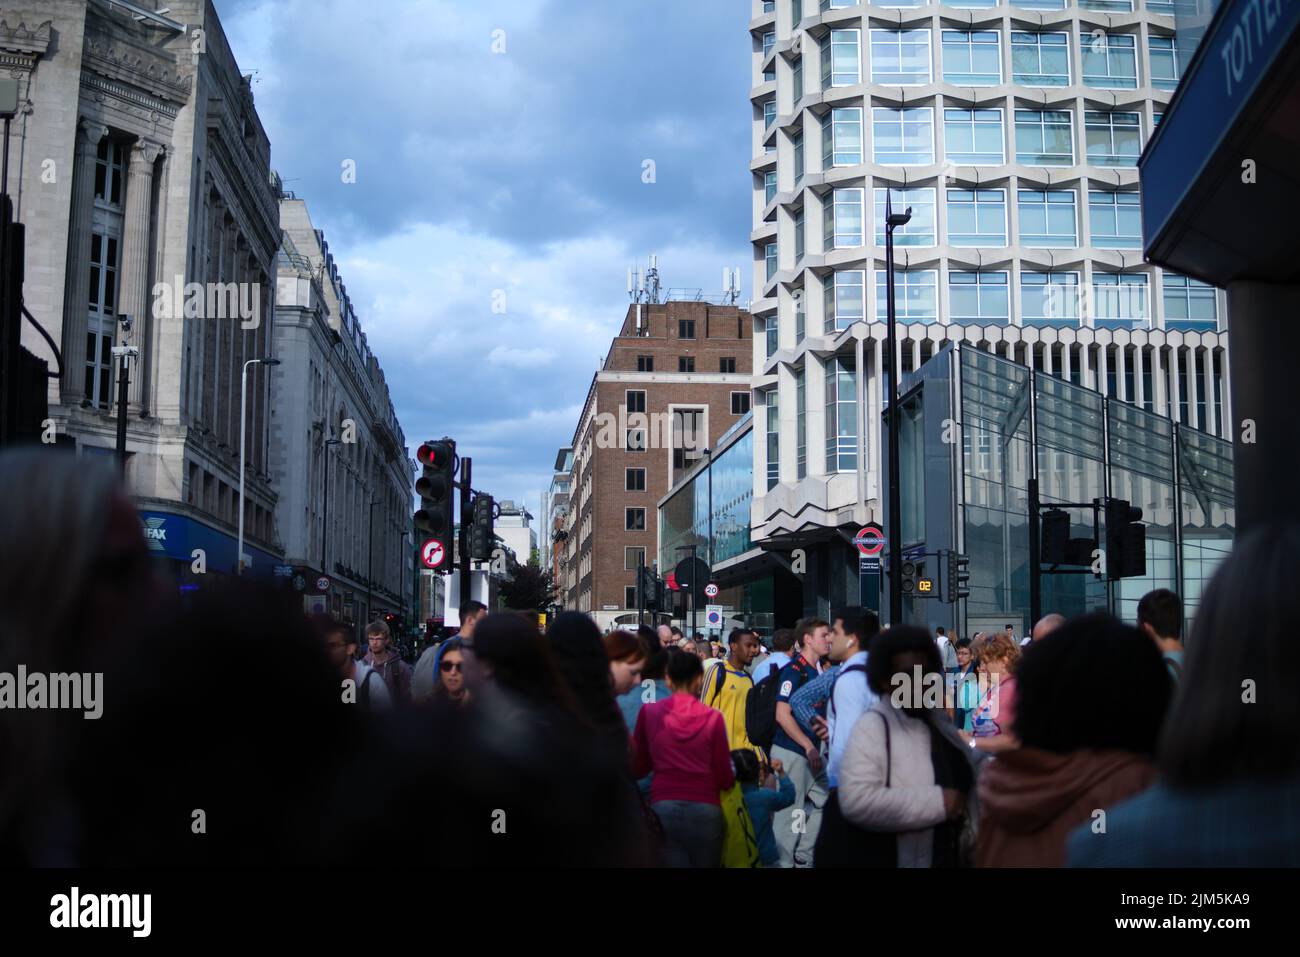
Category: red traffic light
<point>435,455</point>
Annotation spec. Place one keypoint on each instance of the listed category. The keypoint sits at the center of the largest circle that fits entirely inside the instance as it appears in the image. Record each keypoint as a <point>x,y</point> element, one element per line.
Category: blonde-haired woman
<point>991,725</point>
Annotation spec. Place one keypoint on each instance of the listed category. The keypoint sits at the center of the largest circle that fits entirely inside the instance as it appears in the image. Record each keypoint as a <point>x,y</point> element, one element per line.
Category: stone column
<point>135,299</point>
<point>77,286</point>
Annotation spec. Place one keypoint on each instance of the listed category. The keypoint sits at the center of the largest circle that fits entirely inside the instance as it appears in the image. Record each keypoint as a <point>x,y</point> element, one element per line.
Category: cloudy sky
<point>516,174</point>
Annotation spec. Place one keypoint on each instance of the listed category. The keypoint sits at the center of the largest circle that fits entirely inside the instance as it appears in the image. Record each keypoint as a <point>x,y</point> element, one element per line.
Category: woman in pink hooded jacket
<point>684,742</point>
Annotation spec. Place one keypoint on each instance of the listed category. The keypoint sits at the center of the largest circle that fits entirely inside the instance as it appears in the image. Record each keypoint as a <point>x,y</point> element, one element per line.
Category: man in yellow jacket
<point>727,685</point>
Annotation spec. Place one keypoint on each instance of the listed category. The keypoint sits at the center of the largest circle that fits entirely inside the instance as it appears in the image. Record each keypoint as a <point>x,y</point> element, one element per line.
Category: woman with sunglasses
<point>450,667</point>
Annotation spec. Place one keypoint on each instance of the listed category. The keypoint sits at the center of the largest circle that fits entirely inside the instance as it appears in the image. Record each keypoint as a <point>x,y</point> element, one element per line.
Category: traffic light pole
<point>462,539</point>
<point>1035,567</point>
<point>640,589</point>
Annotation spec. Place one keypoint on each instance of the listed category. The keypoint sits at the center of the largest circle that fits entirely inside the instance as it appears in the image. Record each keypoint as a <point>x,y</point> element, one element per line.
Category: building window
<point>972,59</point>
<point>769,260</point>
<point>974,137</point>
<point>842,138</point>
<point>689,439</point>
<point>800,315</point>
<point>685,328</point>
<point>796,76</point>
<point>1110,61</point>
<point>727,365</point>
<point>977,217</point>
<point>110,171</point>
<point>770,330</point>
<point>634,480</point>
<point>101,320</point>
<point>846,296</point>
<point>841,415</point>
<point>1190,305</point>
<point>739,403</point>
<point>636,440</point>
<point>633,557</point>
<point>903,137</point>
<point>769,187</point>
<point>843,219</point>
<point>1040,59</point>
<point>841,58</point>
<point>645,363</point>
<point>801,424</point>
<point>796,143</point>
<point>1039,4</point>
<point>634,519</point>
<point>773,440</point>
<point>1047,218</point>
<point>920,230</point>
<point>1164,63</point>
<point>798,236</point>
<point>769,41</point>
<point>1049,298</point>
<point>769,113</point>
<point>686,363</point>
<point>916,295</point>
<point>629,596</point>
<point>1044,138</point>
<point>900,57</point>
<point>1119,301</point>
<point>979,298</point>
<point>635,400</point>
<point>1116,219</point>
<point>1113,139</point>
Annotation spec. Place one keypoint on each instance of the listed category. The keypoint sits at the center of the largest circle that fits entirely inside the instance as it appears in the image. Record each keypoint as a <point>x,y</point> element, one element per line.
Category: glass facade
<point>684,516</point>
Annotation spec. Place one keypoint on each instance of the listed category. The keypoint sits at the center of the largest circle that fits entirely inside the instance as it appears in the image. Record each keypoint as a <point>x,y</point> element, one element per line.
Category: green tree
<point>529,588</point>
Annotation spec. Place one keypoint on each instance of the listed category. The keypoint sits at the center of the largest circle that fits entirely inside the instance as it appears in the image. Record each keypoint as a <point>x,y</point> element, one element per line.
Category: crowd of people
<point>835,742</point>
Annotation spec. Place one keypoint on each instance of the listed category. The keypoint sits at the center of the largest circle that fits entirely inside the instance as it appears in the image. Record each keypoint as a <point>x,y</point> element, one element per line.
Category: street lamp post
<point>243,425</point>
<point>124,354</point>
<point>893,221</point>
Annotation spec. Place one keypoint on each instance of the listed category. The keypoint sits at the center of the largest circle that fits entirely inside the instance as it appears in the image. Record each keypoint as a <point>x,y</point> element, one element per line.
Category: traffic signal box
<point>434,520</point>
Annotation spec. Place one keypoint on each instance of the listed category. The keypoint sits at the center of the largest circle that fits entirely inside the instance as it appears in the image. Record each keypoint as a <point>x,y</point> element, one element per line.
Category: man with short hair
<point>800,754</point>
<point>1046,625</point>
<point>1160,615</point>
<point>665,635</point>
<point>368,689</point>
<point>782,644</point>
<point>947,653</point>
<point>424,680</point>
<point>727,685</point>
<point>850,695</point>
<point>387,662</point>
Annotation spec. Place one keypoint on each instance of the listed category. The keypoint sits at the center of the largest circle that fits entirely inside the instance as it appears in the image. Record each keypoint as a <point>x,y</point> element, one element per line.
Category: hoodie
<point>684,742</point>
<point>1030,800</point>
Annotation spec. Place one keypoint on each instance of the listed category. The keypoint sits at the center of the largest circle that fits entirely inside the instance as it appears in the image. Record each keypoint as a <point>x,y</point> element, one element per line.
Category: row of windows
<point>979,217</point>
<point>905,137</point>
<point>1109,61</point>
<point>726,364</point>
<point>635,401</point>
<point>799,8</point>
<point>1114,300</point>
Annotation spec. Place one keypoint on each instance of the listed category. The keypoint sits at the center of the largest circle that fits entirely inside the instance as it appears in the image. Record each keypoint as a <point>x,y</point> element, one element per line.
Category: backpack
<point>760,711</point>
<point>720,679</point>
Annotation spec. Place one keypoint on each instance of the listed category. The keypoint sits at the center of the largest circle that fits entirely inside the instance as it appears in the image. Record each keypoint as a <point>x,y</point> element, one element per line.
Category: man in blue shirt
<point>782,643</point>
<point>850,696</point>
<point>796,830</point>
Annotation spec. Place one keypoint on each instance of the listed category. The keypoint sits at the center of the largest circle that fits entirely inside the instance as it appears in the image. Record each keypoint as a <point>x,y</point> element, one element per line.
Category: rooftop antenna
<point>731,284</point>
<point>652,279</point>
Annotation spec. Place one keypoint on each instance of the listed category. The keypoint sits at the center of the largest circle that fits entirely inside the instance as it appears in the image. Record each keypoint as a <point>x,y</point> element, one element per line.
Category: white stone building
<point>140,167</point>
<point>339,456</point>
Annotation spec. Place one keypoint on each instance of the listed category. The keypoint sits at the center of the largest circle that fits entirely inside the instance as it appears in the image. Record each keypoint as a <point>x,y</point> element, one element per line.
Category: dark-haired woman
<point>906,781</point>
<point>1090,703</point>
<point>684,742</point>
<point>583,663</point>
<point>449,671</point>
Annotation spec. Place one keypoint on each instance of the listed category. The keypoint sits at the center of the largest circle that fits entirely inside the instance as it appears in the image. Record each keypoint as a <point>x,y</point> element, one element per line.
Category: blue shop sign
<point>177,536</point>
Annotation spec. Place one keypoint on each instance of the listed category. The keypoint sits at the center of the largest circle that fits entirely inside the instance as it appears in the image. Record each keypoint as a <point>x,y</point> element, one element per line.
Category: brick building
<point>676,377</point>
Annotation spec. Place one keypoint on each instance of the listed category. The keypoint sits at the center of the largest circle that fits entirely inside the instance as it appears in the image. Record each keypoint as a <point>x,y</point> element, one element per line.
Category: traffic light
<point>435,485</point>
<point>1126,540</point>
<point>480,530</point>
<point>910,573</point>
<point>958,577</point>
<point>1055,537</point>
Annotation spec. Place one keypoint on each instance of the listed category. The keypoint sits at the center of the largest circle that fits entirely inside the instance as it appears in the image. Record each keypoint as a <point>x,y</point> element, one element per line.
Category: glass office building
<point>1012,131</point>
<point>977,428</point>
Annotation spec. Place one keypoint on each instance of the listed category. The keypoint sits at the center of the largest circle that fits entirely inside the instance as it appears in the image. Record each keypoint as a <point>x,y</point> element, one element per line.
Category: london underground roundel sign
<point>870,540</point>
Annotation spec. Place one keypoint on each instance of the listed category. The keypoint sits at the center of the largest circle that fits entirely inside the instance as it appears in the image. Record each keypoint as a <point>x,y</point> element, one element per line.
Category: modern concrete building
<point>677,376</point>
<point>1012,131</point>
<point>338,454</point>
<point>142,171</point>
<point>514,527</point>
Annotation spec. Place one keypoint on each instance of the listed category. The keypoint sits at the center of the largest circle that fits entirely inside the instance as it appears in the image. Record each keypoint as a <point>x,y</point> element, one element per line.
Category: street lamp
<point>893,221</point>
<point>123,354</point>
<point>243,424</point>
